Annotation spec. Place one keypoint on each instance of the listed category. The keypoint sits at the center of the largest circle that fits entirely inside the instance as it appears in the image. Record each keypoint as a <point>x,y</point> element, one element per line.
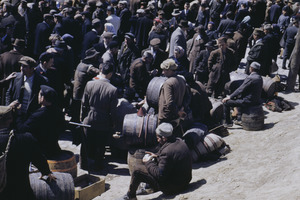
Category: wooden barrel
<point>217,110</point>
<point>140,131</point>
<point>62,188</point>
<point>64,162</point>
<point>210,143</point>
<point>253,118</point>
<point>269,87</point>
<point>135,160</point>
<point>153,91</point>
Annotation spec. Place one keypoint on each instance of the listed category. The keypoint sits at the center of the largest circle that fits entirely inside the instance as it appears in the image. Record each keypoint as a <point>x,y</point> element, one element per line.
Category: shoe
<point>228,125</point>
<point>283,67</point>
<point>238,122</point>
<point>127,197</point>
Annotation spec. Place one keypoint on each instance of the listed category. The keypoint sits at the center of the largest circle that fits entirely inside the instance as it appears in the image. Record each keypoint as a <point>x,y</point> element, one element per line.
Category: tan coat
<point>171,99</point>
<point>99,103</point>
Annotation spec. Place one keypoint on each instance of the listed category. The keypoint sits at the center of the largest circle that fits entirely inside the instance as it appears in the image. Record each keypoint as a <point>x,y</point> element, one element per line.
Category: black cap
<point>113,44</point>
<point>48,93</point>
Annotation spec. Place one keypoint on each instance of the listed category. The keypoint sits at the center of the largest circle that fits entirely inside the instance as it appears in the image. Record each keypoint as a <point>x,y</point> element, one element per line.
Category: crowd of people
<point>79,58</point>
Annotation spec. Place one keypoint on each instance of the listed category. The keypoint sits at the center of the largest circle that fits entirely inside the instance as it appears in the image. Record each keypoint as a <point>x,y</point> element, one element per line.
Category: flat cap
<point>96,21</point>
<point>267,26</point>
<point>123,2</point>
<point>129,35</point>
<point>169,64</point>
<point>108,34</point>
<point>48,93</point>
<point>155,41</point>
<point>77,16</point>
<point>140,11</point>
<point>44,55</point>
<point>164,130</point>
<point>4,112</point>
<point>255,65</point>
<point>28,61</point>
<point>58,15</point>
<point>48,16</point>
<point>19,43</point>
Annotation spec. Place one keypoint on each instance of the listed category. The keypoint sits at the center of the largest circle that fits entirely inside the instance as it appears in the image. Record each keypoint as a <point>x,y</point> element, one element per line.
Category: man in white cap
<point>248,94</point>
<point>169,170</point>
<point>171,98</point>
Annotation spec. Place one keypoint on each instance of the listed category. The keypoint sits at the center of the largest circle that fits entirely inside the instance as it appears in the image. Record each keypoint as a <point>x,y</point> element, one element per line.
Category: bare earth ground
<point>262,165</point>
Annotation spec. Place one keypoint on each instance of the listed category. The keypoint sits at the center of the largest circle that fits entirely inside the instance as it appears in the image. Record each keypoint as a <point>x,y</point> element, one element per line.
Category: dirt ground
<point>262,164</point>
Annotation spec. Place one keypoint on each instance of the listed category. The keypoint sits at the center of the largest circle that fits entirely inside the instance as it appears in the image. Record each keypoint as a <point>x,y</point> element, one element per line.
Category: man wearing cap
<point>226,24</point>
<point>258,52</point>
<point>87,24</point>
<point>143,27</point>
<point>25,87</point>
<point>9,62</point>
<point>203,16</point>
<point>159,55</point>
<point>112,18</point>
<point>171,98</point>
<point>139,75</point>
<point>42,33</point>
<point>22,151</point>
<point>124,15</point>
<point>289,37</point>
<point>220,63</point>
<point>58,28</point>
<point>46,123</point>
<point>240,40</point>
<point>92,37</point>
<point>85,71</point>
<point>169,170</point>
<point>45,67</point>
<point>110,56</point>
<point>98,108</point>
<point>178,37</point>
<point>128,53</point>
<point>284,20</point>
<point>248,94</point>
<point>168,9</point>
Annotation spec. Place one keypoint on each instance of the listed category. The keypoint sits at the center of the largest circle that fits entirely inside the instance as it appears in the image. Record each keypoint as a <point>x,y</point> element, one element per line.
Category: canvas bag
<point>3,163</point>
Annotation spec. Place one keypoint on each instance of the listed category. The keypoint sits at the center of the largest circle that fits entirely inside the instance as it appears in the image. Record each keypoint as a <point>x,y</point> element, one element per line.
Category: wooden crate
<point>88,187</point>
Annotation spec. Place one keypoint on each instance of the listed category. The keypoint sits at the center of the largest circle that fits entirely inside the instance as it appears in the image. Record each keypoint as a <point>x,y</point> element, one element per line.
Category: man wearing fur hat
<point>169,170</point>
<point>171,98</point>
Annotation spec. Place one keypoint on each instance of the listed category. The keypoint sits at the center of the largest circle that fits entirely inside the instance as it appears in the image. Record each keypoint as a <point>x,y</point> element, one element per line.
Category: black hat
<point>48,16</point>
<point>60,45</point>
<point>48,93</point>
<point>113,44</point>
<point>44,55</point>
<point>129,35</point>
<point>110,8</point>
<point>91,53</point>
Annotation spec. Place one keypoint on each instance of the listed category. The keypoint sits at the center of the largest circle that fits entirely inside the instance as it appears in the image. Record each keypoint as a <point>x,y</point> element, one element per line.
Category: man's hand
<point>50,177</point>
<point>11,76</point>
<point>15,104</point>
<point>225,99</point>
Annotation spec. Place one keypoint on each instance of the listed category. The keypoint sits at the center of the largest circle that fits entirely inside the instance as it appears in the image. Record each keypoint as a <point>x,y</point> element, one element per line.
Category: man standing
<point>248,94</point>
<point>9,62</point>
<point>112,18</point>
<point>25,87</point>
<point>289,39</point>
<point>110,56</point>
<point>98,109</point>
<point>139,76</point>
<point>125,15</point>
<point>170,105</point>
<point>220,63</point>
<point>178,37</point>
<point>170,170</point>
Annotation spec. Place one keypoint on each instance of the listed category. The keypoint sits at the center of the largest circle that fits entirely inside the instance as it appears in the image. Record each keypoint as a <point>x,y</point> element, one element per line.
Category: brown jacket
<point>171,99</point>
<point>99,103</point>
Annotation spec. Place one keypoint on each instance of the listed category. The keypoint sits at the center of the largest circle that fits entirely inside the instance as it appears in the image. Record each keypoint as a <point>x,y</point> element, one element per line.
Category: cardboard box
<point>88,187</point>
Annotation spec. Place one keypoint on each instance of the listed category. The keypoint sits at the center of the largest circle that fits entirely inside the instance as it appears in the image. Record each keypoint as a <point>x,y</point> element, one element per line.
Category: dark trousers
<point>93,146</point>
<point>232,103</point>
<point>141,177</point>
<point>287,53</point>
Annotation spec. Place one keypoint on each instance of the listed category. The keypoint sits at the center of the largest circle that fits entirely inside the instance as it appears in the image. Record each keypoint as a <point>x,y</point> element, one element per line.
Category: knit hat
<point>164,130</point>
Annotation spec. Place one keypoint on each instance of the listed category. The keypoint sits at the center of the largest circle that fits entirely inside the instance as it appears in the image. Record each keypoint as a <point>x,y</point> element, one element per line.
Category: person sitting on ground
<point>23,150</point>
<point>248,94</point>
<point>170,170</point>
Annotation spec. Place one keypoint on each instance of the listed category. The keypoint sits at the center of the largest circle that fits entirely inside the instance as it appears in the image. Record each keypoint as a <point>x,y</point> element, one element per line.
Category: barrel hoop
<point>63,170</point>
<point>60,161</point>
<point>212,141</point>
<point>141,128</point>
<point>197,151</point>
<point>206,146</point>
<point>146,129</point>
